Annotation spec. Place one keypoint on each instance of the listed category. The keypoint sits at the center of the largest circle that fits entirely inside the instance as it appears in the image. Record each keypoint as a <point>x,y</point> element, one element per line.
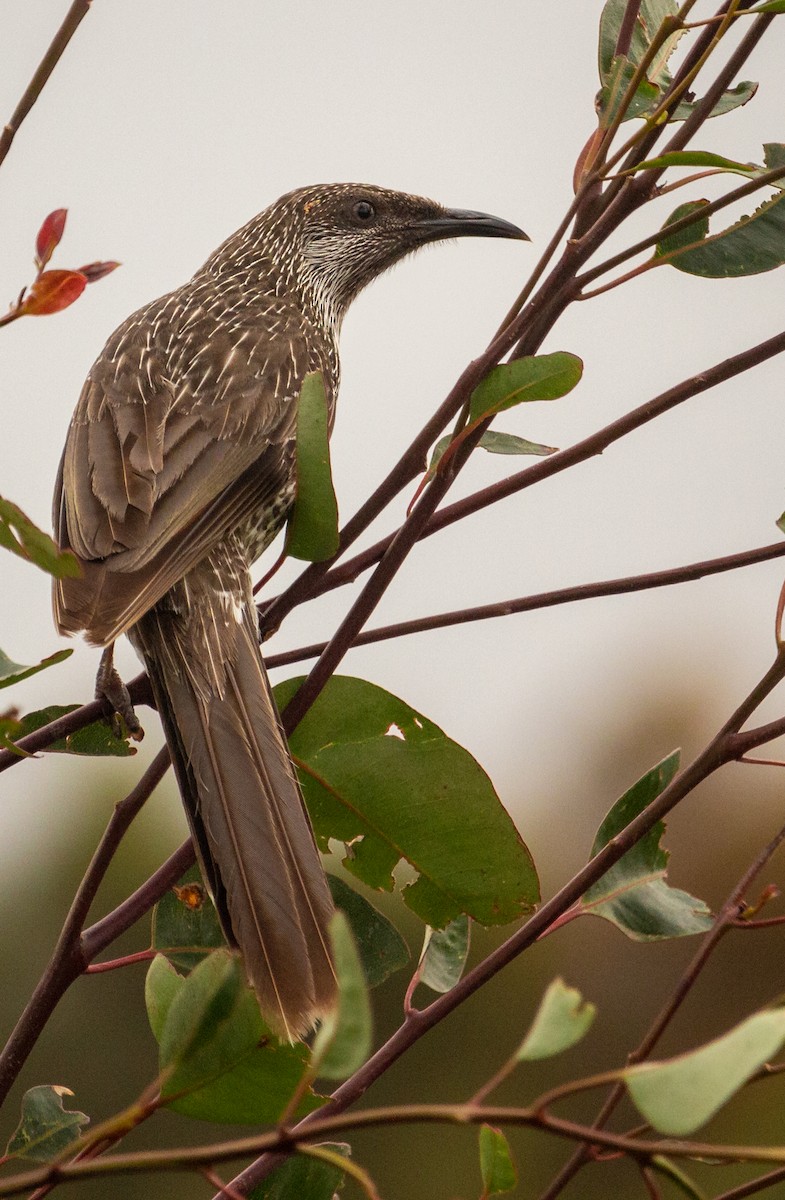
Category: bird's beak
<point>463,222</point>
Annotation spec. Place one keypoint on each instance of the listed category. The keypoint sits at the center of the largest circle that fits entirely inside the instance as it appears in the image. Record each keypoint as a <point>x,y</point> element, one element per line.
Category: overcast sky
<point>168,124</point>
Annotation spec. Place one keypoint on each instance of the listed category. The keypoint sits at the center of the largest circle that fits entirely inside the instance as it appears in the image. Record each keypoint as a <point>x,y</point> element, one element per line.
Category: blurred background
<point>165,127</point>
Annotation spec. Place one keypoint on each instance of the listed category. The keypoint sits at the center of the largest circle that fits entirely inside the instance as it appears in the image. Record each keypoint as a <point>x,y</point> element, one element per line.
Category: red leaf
<point>97,270</point>
<point>51,292</point>
<point>49,236</point>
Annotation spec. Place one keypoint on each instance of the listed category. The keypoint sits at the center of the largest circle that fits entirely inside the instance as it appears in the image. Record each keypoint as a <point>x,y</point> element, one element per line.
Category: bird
<point>178,470</point>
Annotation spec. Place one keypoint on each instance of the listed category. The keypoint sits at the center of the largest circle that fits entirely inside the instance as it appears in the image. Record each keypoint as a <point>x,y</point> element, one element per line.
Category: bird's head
<point>333,239</point>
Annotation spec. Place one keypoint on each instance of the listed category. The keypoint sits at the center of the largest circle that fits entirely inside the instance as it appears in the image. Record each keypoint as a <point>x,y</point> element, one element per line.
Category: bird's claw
<point>110,688</point>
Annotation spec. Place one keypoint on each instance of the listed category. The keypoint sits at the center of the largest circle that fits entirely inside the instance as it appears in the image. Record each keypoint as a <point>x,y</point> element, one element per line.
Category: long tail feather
<point>247,815</point>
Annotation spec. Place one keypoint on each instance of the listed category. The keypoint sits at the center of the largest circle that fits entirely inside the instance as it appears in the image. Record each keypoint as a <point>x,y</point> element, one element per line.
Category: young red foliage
<point>51,292</point>
<point>49,236</point>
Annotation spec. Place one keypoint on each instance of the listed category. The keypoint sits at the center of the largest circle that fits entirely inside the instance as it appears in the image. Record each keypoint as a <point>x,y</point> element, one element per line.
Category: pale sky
<point>168,124</point>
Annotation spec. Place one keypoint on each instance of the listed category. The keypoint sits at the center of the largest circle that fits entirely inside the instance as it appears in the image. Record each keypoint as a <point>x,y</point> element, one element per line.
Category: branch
<point>76,13</point>
<point>582,591</point>
<point>724,921</point>
<point>595,444</point>
<point>715,754</point>
<point>69,959</point>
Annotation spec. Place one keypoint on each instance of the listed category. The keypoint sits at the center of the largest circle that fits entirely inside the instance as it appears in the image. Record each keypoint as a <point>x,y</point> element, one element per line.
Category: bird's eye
<point>364,211</point>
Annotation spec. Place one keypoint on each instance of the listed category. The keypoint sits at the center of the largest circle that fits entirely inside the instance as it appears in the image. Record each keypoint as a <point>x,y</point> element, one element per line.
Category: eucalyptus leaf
<point>12,672</point>
<point>535,377</point>
<point>444,955</point>
<point>694,232</point>
<point>750,246</point>
<point>313,525</point>
<point>389,783</point>
<point>698,158</point>
<point>680,1094</point>
<point>496,1163</point>
<point>733,98</point>
<point>46,1129</point>
<point>234,1072</point>
<point>303,1177</point>
<point>382,949</point>
<point>494,442</point>
<point>185,925</point>
<point>634,894</point>
<point>343,1040</point>
<point>22,537</point>
<point>95,740</point>
<point>561,1020</point>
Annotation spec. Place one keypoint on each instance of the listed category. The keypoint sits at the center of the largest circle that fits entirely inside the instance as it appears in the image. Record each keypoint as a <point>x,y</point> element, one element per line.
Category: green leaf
<point>562,1019</point>
<point>679,1095</point>
<point>538,377</point>
<point>650,17</point>
<point>774,6</point>
<point>633,894</point>
<point>735,97</point>
<point>382,949</point>
<point>313,525</point>
<point>684,237</point>
<point>343,1040</point>
<point>613,93</point>
<point>256,1089</point>
<point>45,1128</point>
<point>675,1174</point>
<point>19,535</point>
<point>11,672</point>
<point>444,956</point>
<point>384,779</point>
<point>752,245</point>
<point>496,1165</point>
<point>185,925</point>
<point>95,740</point>
<point>698,158</point>
<point>302,1177</point>
<point>495,443</point>
<point>773,157</point>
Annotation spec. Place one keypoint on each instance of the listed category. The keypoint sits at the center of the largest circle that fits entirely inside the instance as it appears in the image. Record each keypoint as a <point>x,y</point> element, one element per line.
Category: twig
<point>420,1021</point>
<point>75,15</point>
<point>583,591</point>
<point>725,919</point>
<point>70,956</point>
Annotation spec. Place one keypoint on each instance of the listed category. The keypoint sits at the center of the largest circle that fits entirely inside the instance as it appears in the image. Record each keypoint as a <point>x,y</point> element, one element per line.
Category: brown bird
<point>177,473</point>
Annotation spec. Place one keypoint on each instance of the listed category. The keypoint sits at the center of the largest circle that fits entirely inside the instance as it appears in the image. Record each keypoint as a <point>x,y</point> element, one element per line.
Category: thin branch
<point>69,958</point>
<point>754,1186</point>
<point>583,591</point>
<point>590,446</point>
<point>420,1021</point>
<point>75,15</point>
<point>725,919</point>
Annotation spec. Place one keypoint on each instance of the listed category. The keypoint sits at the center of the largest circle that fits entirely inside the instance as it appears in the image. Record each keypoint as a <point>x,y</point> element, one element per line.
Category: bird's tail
<point>244,806</point>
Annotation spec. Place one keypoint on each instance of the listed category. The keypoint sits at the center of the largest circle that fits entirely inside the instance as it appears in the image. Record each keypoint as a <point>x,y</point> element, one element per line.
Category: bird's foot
<point>110,688</point>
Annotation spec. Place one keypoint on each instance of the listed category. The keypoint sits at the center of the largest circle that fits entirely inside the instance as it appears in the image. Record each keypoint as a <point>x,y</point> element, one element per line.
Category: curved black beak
<point>464,222</point>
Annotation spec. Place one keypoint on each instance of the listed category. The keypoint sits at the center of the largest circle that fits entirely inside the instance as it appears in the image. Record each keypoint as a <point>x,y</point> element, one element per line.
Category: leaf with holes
<point>46,1129</point>
<point>389,783</point>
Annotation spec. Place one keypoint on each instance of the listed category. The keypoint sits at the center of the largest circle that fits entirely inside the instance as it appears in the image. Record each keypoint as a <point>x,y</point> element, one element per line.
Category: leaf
<point>387,781</point>
<point>97,270</point>
<point>773,157</point>
<point>303,1177</point>
<point>96,740</point>
<point>343,1040</point>
<point>45,1128</point>
<point>675,1174</point>
<point>49,236</point>
<point>680,1094</point>
<point>444,955</point>
<point>735,97</point>
<point>185,925</point>
<point>496,1165</point>
<point>51,292</point>
<point>562,1019</point>
<point>313,525</point>
<point>684,237</point>
<point>382,949</point>
<point>253,1089</point>
<point>698,158</point>
<point>19,535</point>
<point>650,17</point>
<point>538,377</point>
<point>614,93</point>
<point>752,245</point>
<point>633,894</point>
<point>773,6</point>
<point>495,443</point>
<point>11,672</point>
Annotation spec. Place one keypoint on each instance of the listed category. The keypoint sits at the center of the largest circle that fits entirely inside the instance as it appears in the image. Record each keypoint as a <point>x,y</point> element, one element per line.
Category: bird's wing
<point>159,464</point>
